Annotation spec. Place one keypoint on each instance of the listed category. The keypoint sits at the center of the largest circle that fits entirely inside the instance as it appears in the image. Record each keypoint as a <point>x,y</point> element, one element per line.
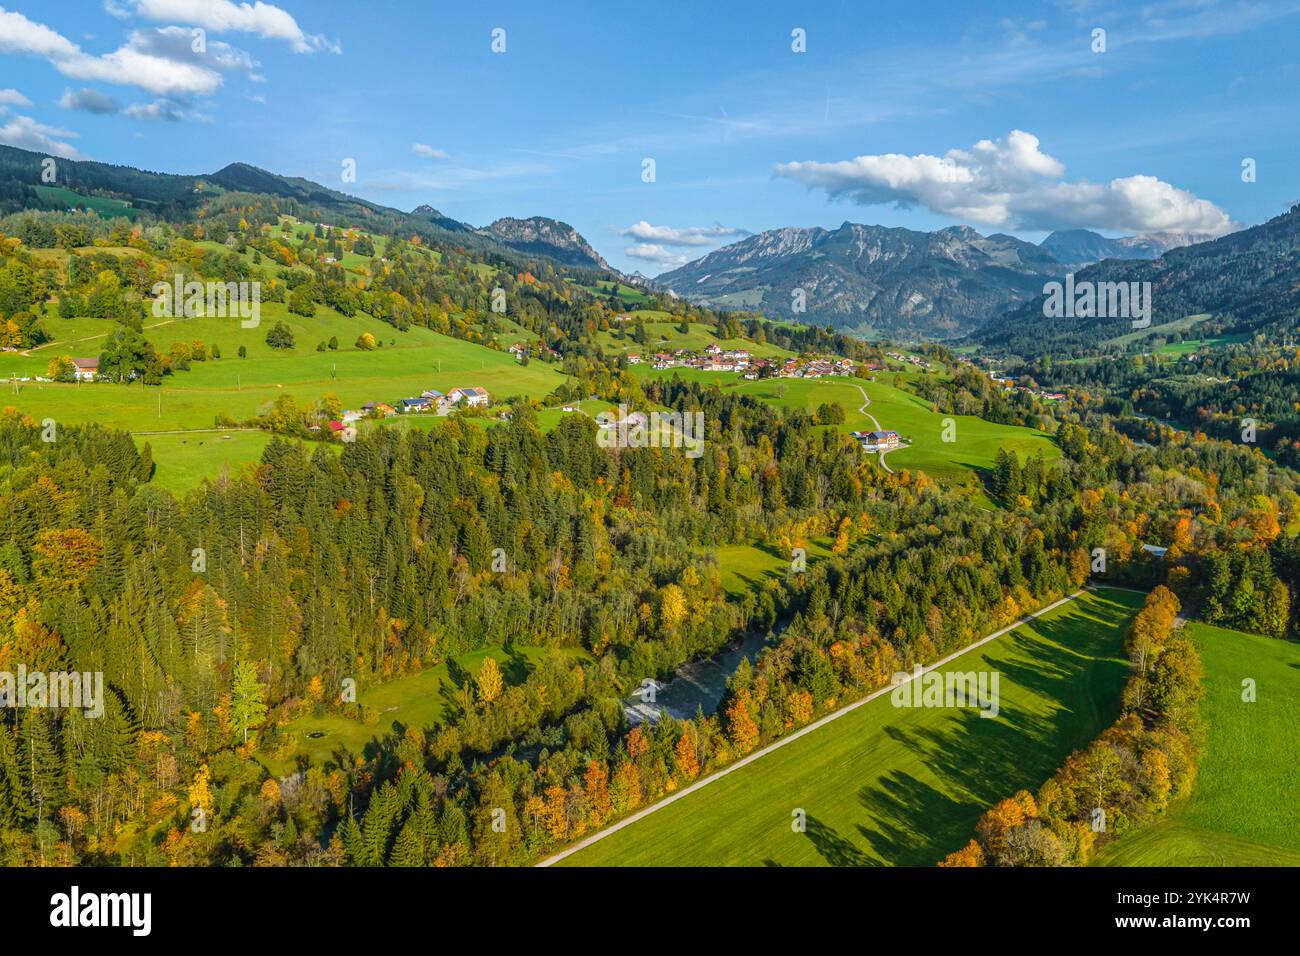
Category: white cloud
<point>129,65</point>
<point>177,44</point>
<point>12,97</point>
<point>26,133</point>
<point>1011,183</point>
<point>20,35</point>
<point>86,100</point>
<point>222,16</point>
<point>656,253</point>
<point>690,236</point>
<point>165,109</point>
<point>423,149</point>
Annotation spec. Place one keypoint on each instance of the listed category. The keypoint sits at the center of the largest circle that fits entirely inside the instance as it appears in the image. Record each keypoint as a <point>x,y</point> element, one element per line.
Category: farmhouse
<point>420,404</point>
<point>87,368</point>
<point>473,397</point>
<point>879,441</point>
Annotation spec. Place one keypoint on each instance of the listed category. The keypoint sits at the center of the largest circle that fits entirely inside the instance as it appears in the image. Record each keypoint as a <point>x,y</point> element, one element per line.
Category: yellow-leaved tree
<point>489,681</point>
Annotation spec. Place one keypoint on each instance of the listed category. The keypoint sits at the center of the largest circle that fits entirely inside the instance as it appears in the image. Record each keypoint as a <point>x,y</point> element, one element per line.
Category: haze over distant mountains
<point>872,279</point>
<point>1076,248</point>
<point>876,279</point>
<point>1245,280</point>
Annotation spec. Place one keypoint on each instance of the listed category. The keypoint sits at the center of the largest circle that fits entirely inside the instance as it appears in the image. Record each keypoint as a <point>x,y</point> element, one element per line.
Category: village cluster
<point>717,359</point>
<point>1009,384</point>
<point>429,401</point>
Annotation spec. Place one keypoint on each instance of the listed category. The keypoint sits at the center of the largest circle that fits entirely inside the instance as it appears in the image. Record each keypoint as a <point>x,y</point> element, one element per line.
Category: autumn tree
<point>489,681</point>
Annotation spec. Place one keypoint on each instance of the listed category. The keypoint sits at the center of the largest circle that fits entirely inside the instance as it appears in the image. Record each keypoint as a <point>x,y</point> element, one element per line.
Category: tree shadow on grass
<point>982,760</point>
<point>833,848</point>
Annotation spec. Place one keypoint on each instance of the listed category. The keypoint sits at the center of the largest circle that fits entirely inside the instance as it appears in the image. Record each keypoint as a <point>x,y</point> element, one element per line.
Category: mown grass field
<point>747,567</point>
<point>1244,810</point>
<point>664,335</point>
<point>104,206</point>
<point>406,364</point>
<point>182,460</point>
<point>1188,346</point>
<point>418,700</point>
<point>977,441</point>
<point>884,785</point>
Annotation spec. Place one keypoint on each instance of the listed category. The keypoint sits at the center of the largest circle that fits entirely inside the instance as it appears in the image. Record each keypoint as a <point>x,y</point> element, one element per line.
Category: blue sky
<point>746,134</point>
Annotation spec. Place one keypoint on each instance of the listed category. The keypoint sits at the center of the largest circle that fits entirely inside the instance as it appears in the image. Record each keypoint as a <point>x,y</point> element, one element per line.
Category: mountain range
<point>893,281</point>
<point>1245,281</point>
<point>875,280</point>
<point>171,195</point>
<point>1076,248</point>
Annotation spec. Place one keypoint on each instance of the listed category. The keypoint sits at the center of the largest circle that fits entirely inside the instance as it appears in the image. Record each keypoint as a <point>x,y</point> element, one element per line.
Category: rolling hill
<point>1246,279</point>
<point>123,190</point>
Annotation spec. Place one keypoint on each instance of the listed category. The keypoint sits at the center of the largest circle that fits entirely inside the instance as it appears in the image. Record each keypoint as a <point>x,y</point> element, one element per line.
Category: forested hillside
<point>1244,280</point>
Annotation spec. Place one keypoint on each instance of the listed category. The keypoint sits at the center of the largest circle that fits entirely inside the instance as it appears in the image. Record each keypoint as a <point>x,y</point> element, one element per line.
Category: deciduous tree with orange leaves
<point>972,854</point>
<point>740,724</point>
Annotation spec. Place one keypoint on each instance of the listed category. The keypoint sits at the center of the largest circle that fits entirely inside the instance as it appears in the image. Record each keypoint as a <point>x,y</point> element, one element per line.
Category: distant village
<point>717,359</point>
<point>1009,385</point>
<point>430,401</point>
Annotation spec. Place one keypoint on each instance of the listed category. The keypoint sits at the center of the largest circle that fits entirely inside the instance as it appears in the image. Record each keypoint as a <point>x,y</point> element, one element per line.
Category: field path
<point>778,744</point>
<point>866,400</point>
<point>88,338</point>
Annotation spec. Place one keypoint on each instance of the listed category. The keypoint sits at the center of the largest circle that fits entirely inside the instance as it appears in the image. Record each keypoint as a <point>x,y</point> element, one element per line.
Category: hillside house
<point>87,369</point>
<point>473,397</point>
<point>880,441</point>
<point>420,404</point>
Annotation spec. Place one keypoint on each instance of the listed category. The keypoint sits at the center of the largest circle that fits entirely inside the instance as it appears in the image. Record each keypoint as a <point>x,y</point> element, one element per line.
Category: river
<point>699,684</point>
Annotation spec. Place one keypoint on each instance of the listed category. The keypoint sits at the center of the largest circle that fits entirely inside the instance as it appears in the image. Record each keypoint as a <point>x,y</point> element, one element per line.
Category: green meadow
<point>887,785</point>
<point>629,295</point>
<point>418,700</point>
<point>182,460</point>
<point>73,200</point>
<point>1243,810</point>
<point>747,567</point>
<point>974,450</point>
<point>407,363</point>
<point>664,335</point>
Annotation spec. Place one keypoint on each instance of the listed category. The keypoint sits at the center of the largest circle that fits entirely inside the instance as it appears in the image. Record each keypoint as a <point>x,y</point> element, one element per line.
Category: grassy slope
<point>419,359</point>
<point>183,459</point>
<point>418,700</point>
<point>664,336</point>
<point>747,567</point>
<point>1243,810</point>
<point>903,786</point>
<point>977,441</point>
<point>102,205</point>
